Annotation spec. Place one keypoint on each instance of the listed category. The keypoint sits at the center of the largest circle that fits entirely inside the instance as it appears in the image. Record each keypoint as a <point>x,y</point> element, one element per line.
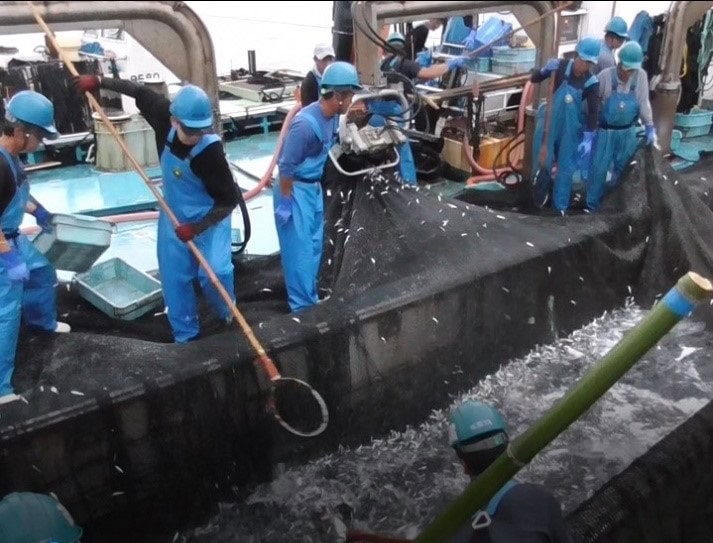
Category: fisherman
<point>298,202</point>
<point>411,70</point>
<point>309,90</point>
<point>573,124</point>
<point>416,39</point>
<point>615,34</point>
<point>198,187</point>
<point>624,97</point>
<point>27,279</point>
<point>27,517</point>
<point>518,512</point>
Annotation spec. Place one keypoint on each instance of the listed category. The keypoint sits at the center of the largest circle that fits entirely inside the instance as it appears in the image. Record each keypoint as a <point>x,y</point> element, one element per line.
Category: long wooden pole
<point>267,363</point>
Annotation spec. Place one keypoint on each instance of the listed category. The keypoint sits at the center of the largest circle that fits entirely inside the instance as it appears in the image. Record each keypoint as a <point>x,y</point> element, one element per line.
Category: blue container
<point>696,131</point>
<point>510,67</point>
<point>484,64</point>
<point>697,117</point>
<point>515,54</point>
<point>75,242</point>
<point>119,290</point>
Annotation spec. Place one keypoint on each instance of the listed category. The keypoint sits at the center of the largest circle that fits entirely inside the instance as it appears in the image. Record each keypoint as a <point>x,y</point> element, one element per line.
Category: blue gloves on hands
<point>384,108</point>
<point>16,268</point>
<point>284,210</point>
<point>424,58</point>
<point>43,218</point>
<point>585,148</point>
<point>469,42</point>
<point>457,62</point>
<point>650,135</point>
<point>550,67</point>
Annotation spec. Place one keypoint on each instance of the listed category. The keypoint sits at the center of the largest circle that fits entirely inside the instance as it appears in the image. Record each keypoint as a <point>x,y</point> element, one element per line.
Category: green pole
<point>677,304</point>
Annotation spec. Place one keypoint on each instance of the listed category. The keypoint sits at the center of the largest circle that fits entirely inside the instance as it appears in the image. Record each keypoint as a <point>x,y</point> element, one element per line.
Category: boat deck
<point>84,190</point>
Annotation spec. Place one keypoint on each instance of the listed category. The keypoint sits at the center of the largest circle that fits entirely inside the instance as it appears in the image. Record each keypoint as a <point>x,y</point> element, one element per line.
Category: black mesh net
<point>72,113</point>
<point>665,495</point>
<point>414,283</point>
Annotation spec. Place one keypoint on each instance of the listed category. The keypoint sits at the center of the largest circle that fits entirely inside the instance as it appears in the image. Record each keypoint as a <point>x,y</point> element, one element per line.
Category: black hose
<point>240,247</point>
<point>502,150</point>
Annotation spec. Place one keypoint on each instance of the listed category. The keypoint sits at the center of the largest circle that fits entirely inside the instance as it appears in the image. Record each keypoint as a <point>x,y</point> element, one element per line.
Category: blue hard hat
<point>26,517</point>
<point>192,107</point>
<point>617,26</point>
<point>340,75</point>
<point>32,108</point>
<point>588,49</point>
<point>631,56</point>
<point>396,37</point>
<point>472,423</point>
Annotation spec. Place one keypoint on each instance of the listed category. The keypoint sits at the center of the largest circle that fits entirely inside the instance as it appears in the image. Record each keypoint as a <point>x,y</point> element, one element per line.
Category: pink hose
<point>126,217</point>
<point>264,180</point>
<point>267,176</point>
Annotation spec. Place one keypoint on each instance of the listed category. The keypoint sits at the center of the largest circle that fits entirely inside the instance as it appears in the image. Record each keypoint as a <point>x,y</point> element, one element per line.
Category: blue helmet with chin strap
<point>476,426</point>
<point>340,76</point>
<point>34,109</point>
<point>396,38</point>
<point>26,517</point>
<point>617,26</point>
<point>192,108</point>
<point>588,49</point>
<point>631,56</point>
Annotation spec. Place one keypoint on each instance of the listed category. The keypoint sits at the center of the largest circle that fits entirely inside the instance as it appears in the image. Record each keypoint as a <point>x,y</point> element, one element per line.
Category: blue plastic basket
<point>696,131</point>
<point>515,54</point>
<point>697,117</point>
<point>509,67</point>
<point>119,290</point>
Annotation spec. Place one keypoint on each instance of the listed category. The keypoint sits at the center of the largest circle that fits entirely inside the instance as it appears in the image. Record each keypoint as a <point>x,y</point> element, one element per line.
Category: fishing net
<point>71,111</point>
<point>662,496</point>
<point>416,288</point>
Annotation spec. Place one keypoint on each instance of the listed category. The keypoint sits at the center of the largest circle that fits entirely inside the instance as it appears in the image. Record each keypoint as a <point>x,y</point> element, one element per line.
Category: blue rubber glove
<point>43,218</point>
<point>284,210</point>
<point>384,108</point>
<point>14,265</point>
<point>650,135</point>
<point>550,67</point>
<point>425,58</point>
<point>469,42</point>
<point>457,62</point>
<point>585,147</point>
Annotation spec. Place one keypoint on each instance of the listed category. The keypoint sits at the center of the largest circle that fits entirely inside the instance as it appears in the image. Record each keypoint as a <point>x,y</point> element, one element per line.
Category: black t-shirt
<point>8,185</point>
<point>527,513</point>
<point>210,166</point>
<point>404,66</point>
<point>309,90</point>
<point>416,41</point>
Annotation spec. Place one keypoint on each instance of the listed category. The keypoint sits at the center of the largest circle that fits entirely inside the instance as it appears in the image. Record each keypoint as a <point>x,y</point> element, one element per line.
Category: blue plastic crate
<point>507,67</point>
<point>480,64</point>
<point>695,131</point>
<point>697,117</point>
<point>75,241</point>
<point>119,290</point>
<point>515,54</point>
<point>484,64</point>
<point>676,136</point>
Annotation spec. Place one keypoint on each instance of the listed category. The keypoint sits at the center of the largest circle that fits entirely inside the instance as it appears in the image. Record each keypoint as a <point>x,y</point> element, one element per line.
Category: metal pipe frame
<point>667,91</point>
<point>375,14</point>
<point>171,31</point>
